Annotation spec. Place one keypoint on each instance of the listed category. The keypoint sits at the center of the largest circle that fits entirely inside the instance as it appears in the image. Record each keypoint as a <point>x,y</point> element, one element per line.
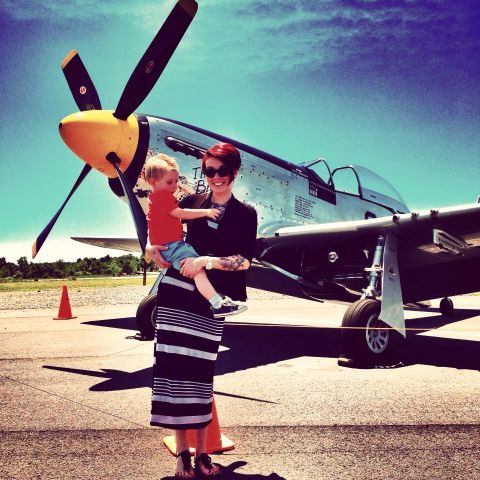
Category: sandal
<point>214,471</point>
<point>187,465</point>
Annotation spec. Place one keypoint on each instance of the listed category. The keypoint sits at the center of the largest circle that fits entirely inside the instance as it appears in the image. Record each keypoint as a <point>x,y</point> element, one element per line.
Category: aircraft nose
<point>92,134</point>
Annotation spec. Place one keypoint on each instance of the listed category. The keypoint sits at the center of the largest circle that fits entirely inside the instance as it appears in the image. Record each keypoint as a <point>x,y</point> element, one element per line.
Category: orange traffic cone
<point>216,440</point>
<point>64,311</point>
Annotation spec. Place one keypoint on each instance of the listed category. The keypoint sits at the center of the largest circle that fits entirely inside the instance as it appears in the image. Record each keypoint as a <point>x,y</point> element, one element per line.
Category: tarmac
<point>75,397</point>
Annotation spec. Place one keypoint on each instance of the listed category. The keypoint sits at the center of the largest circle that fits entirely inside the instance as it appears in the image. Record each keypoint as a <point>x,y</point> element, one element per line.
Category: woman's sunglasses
<point>223,171</point>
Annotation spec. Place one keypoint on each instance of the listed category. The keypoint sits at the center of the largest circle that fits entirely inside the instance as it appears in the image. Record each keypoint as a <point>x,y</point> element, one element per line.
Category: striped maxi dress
<point>186,344</point>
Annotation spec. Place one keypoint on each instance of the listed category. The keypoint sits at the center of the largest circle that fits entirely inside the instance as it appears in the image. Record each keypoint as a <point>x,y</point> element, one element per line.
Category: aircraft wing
<point>461,221</point>
<point>127,244</point>
<point>438,250</point>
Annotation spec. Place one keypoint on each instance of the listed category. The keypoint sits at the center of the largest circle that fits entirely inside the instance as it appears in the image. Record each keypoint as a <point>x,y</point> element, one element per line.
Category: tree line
<point>83,267</point>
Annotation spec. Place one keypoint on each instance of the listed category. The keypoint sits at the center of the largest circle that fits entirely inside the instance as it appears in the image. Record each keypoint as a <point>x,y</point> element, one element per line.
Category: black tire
<point>146,316</point>
<point>365,338</point>
<point>446,307</point>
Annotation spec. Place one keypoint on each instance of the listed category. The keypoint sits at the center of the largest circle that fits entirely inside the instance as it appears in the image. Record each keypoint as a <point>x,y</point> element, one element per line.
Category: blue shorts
<point>178,251</point>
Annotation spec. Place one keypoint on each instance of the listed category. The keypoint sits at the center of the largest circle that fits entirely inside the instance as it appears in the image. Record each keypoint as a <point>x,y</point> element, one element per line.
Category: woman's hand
<point>152,252</point>
<point>191,266</point>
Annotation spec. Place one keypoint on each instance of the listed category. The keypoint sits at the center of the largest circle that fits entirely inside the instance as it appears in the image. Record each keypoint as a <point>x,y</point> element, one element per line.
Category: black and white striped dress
<point>187,338</point>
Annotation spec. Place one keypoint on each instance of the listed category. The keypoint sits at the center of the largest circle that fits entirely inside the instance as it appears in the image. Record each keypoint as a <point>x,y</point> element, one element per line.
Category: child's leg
<point>222,306</point>
<point>206,288</point>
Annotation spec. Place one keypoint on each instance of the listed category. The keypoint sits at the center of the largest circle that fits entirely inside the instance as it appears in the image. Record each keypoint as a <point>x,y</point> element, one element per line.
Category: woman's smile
<point>219,185</point>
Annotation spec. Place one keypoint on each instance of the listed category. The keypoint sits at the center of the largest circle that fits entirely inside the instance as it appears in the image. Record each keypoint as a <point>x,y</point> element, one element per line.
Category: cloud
<point>380,36</point>
<point>414,38</point>
<point>84,10</point>
<point>262,35</point>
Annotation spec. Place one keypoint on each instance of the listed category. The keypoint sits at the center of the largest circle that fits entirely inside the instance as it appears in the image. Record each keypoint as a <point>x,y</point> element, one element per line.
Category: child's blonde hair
<point>158,165</point>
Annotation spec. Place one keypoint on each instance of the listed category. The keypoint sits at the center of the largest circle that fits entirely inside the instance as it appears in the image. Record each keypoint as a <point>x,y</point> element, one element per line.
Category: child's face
<point>167,183</point>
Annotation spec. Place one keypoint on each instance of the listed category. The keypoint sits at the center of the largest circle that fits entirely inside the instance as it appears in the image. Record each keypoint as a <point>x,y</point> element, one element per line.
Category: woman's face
<point>218,184</point>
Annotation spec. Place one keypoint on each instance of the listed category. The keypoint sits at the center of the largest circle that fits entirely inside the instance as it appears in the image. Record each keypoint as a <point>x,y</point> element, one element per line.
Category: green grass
<point>55,284</point>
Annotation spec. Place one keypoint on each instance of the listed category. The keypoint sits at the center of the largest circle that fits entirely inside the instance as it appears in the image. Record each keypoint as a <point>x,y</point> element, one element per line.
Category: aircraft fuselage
<point>284,194</point>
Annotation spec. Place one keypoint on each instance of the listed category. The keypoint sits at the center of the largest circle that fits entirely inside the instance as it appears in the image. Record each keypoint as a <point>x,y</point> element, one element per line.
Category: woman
<point>187,336</point>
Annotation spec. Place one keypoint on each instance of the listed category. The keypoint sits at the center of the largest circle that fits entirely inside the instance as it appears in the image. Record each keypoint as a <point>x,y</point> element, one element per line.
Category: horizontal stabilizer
<point>126,244</point>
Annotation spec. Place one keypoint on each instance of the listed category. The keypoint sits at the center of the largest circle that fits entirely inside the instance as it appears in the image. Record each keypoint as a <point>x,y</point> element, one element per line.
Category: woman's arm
<point>245,241</point>
<point>232,263</point>
<point>191,266</point>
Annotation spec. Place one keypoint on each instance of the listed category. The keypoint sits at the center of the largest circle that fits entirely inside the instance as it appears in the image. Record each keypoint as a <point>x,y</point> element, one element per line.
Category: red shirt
<point>162,227</point>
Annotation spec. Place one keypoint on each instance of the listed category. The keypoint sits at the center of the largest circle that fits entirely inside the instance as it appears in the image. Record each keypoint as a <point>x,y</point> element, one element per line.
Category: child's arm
<point>193,213</point>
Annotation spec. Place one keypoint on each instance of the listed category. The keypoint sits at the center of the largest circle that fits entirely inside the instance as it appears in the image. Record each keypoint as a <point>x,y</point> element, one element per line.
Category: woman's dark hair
<point>226,153</point>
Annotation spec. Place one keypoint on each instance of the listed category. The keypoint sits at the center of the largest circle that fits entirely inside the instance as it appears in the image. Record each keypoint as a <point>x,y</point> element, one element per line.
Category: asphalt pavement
<point>75,397</point>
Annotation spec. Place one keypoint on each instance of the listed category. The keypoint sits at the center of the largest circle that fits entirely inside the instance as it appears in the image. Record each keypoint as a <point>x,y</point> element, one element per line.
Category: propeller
<point>37,244</point>
<point>80,83</point>
<point>86,98</point>
<point>155,58</point>
<point>139,85</point>
<point>136,210</point>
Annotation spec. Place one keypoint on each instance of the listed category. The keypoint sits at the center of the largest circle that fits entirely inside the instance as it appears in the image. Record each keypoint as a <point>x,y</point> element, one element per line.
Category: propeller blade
<point>136,210</point>
<point>156,57</point>
<point>80,83</point>
<point>37,244</point>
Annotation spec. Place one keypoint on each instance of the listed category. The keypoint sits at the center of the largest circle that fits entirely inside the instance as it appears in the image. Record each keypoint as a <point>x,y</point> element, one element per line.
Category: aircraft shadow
<point>126,323</point>
<point>255,345</point>
<point>437,321</point>
<point>249,346</point>
<point>437,350</point>
<point>252,346</point>
<point>442,352</point>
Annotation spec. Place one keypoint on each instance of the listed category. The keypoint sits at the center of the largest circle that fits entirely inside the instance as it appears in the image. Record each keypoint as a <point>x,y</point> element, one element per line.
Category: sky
<point>393,85</point>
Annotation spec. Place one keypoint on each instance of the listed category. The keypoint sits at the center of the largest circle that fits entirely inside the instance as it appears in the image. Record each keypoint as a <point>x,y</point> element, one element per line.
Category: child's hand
<point>149,253</point>
<point>152,253</point>
<point>213,213</point>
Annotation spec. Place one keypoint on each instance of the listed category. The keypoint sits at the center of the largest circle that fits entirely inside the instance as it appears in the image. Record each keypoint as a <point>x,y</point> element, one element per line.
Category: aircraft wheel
<point>365,337</point>
<point>146,316</point>
<point>446,307</point>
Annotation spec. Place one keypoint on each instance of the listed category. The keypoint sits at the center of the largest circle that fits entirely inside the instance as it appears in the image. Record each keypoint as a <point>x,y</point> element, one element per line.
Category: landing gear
<point>147,312</point>
<point>370,328</point>
<point>446,307</point>
<point>146,316</point>
<point>368,341</point>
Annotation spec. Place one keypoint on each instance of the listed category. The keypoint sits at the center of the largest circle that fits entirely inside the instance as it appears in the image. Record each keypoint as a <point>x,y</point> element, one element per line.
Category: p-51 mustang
<point>342,235</point>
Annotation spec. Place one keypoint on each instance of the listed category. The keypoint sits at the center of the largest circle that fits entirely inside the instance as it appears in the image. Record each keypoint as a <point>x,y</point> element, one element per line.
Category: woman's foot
<point>204,467</point>
<point>184,465</point>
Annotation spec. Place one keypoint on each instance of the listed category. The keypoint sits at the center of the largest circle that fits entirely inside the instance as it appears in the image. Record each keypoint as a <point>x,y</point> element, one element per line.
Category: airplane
<point>342,235</point>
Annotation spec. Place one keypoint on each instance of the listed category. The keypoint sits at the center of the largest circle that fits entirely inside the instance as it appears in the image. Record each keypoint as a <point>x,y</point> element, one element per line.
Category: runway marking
<point>414,329</point>
<point>332,327</point>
